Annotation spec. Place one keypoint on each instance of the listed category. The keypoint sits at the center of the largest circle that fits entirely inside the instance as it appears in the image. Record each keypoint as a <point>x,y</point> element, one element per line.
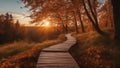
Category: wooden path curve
<point>57,56</point>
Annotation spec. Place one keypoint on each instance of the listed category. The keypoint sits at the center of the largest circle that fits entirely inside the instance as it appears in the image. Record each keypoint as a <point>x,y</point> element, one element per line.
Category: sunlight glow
<point>46,23</point>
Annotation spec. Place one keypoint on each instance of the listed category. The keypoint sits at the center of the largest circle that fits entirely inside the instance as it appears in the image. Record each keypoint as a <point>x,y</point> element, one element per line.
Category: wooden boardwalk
<point>57,56</point>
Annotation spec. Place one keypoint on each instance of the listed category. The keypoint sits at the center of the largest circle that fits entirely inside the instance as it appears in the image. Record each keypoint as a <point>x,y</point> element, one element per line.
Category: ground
<point>24,55</point>
<point>91,51</point>
<point>95,51</point>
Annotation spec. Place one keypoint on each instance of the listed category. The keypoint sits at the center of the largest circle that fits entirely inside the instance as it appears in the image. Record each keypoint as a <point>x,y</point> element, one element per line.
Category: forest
<point>95,24</point>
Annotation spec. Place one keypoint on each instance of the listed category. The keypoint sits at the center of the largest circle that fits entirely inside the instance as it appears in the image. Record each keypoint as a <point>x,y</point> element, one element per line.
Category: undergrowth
<point>95,51</point>
<point>24,55</point>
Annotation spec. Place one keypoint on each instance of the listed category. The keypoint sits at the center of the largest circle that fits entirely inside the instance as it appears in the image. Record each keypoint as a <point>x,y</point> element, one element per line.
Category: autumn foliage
<point>95,51</point>
<point>10,30</point>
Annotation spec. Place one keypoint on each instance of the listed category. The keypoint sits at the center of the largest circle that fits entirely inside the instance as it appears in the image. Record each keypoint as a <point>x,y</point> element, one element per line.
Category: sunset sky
<point>14,7</point>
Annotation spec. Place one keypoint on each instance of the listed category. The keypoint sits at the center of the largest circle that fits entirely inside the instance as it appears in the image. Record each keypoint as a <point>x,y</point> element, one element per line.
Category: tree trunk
<point>62,23</point>
<point>76,27</point>
<point>79,14</point>
<point>66,28</point>
<point>116,12</point>
<point>63,26</point>
<point>93,17</point>
<point>66,23</point>
<point>99,30</point>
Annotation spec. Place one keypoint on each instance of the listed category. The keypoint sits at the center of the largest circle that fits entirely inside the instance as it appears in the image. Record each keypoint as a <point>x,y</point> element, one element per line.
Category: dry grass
<point>14,48</point>
<point>96,51</point>
<point>24,55</point>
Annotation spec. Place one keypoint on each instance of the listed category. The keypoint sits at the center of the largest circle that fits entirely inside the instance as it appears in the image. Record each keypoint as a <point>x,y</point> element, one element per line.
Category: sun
<point>46,23</point>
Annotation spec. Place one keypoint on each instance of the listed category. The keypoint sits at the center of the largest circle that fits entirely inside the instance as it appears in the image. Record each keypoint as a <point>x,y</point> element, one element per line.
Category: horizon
<point>17,9</point>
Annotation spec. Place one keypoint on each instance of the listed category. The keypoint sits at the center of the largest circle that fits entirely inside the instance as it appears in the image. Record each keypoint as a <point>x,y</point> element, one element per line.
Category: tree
<point>48,8</point>
<point>10,31</point>
<point>92,14</point>
<point>75,20</point>
<point>110,12</point>
<point>116,12</point>
<point>77,6</point>
<point>106,14</point>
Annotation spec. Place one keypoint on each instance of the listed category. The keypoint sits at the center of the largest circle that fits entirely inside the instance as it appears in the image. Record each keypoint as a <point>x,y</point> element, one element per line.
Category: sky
<point>14,7</point>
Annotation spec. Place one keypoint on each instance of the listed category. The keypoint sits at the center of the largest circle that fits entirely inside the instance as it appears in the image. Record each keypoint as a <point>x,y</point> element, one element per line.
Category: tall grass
<point>23,54</point>
<point>14,48</point>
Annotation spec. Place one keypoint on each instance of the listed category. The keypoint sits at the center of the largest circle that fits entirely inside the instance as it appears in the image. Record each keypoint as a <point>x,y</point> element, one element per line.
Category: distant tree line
<point>10,30</point>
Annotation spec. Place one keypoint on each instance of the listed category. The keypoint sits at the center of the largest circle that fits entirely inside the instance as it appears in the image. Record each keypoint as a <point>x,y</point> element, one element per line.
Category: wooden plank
<point>54,54</point>
<point>57,56</point>
<point>56,66</point>
<point>52,58</point>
